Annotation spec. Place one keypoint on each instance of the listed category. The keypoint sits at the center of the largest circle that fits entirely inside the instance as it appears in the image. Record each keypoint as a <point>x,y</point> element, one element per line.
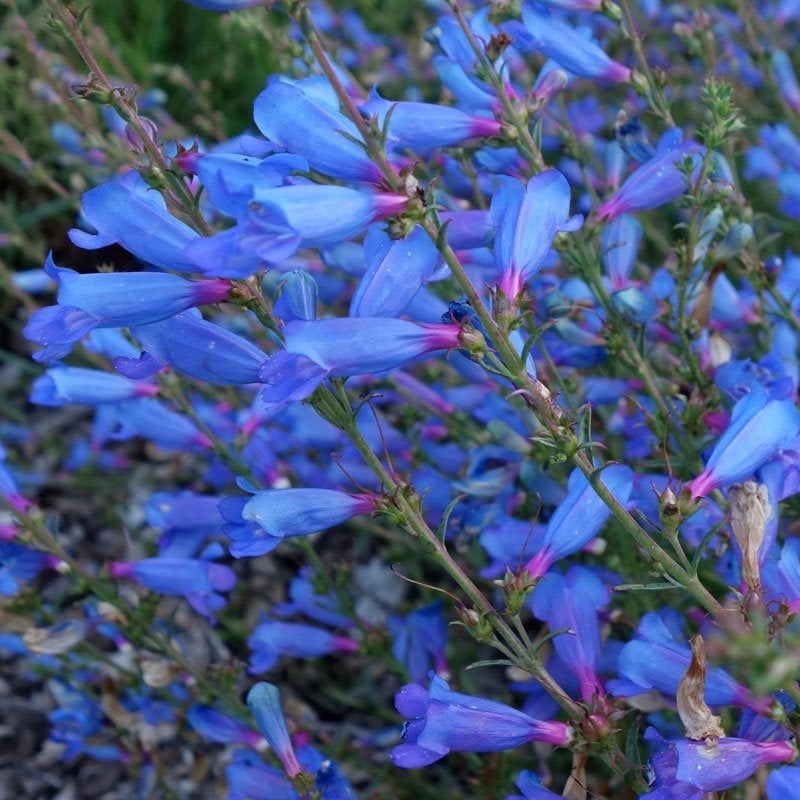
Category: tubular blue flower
<point>620,243</point>
<point>468,92</point>
<point>441,721</point>
<point>149,418</point>
<point>761,425</point>
<point>112,300</point>
<point>572,602</point>
<point>424,127</point>
<point>131,214</point>
<point>785,78</point>
<point>632,138</point>
<point>218,727</point>
<point>304,599</point>
<point>173,510</point>
<point>579,517</point>
<point>531,788</point>
<point>9,491</point>
<point>419,640</point>
<point>468,229</point>
<point>655,660</point>
<point>298,297</point>
<point>566,46</point>
<point>249,778</point>
<point>346,347</point>
<point>20,563</point>
<point>176,576</point>
<point>264,702</point>
<point>295,116</point>
<point>199,581</point>
<point>282,219</point>
<point>270,640</point>
<point>62,385</point>
<point>230,179</point>
<point>720,765</point>
<point>635,304</point>
<point>782,782</point>
<point>662,767</point>
<point>196,347</point>
<point>526,220</point>
<point>258,525</point>
<point>396,270</point>
<point>330,782</point>
<point>656,181</point>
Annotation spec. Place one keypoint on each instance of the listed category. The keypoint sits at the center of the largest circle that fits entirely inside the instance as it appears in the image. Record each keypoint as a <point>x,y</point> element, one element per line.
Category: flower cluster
<point>404,387</point>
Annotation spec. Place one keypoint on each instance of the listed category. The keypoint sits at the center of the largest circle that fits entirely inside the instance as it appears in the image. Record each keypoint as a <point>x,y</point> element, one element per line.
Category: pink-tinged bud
<point>135,140</point>
<point>550,86</point>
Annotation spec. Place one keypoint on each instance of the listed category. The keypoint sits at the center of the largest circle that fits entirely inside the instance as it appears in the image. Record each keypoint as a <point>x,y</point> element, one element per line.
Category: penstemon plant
<point>457,404</point>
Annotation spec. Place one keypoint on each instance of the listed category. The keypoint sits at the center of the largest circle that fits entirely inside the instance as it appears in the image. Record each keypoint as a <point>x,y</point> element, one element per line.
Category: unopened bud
<point>668,510</point>
<point>750,510</point>
<point>516,587</point>
<point>134,138</point>
<point>695,714</point>
<point>477,624</point>
<point>56,639</point>
<point>93,91</point>
<point>548,86</point>
<point>733,242</point>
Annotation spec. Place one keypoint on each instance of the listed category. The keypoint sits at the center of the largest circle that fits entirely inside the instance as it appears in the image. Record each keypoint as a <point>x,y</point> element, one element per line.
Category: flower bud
<point>516,588</point>
<point>733,242</point>
<point>668,510</point>
<point>695,714</point>
<point>750,510</point>
<point>551,85</point>
<point>135,140</point>
<point>477,624</point>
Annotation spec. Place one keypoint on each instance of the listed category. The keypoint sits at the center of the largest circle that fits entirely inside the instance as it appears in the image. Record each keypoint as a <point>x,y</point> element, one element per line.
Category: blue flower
<point>531,788</point>
<point>572,602</point>
<point>760,426</point>
<point>264,702</point>
<point>396,270</point>
<point>424,127</point>
<point>131,214</point>
<point>112,300</point>
<point>655,660</point>
<point>259,524</point>
<point>282,219</point>
<point>656,181</point>
<point>419,640</point>
<point>270,640</point>
<point>526,220</point>
<point>567,46</point>
<point>196,347</point>
<point>304,118</point>
<point>62,385</point>
<point>782,782</point>
<point>579,517</point>
<point>720,765</point>
<point>620,242</point>
<point>200,581</point>
<point>441,721</point>
<point>218,727</point>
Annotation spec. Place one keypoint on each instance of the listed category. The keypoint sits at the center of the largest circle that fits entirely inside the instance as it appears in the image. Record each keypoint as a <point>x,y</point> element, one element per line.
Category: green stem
<point>116,97</point>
